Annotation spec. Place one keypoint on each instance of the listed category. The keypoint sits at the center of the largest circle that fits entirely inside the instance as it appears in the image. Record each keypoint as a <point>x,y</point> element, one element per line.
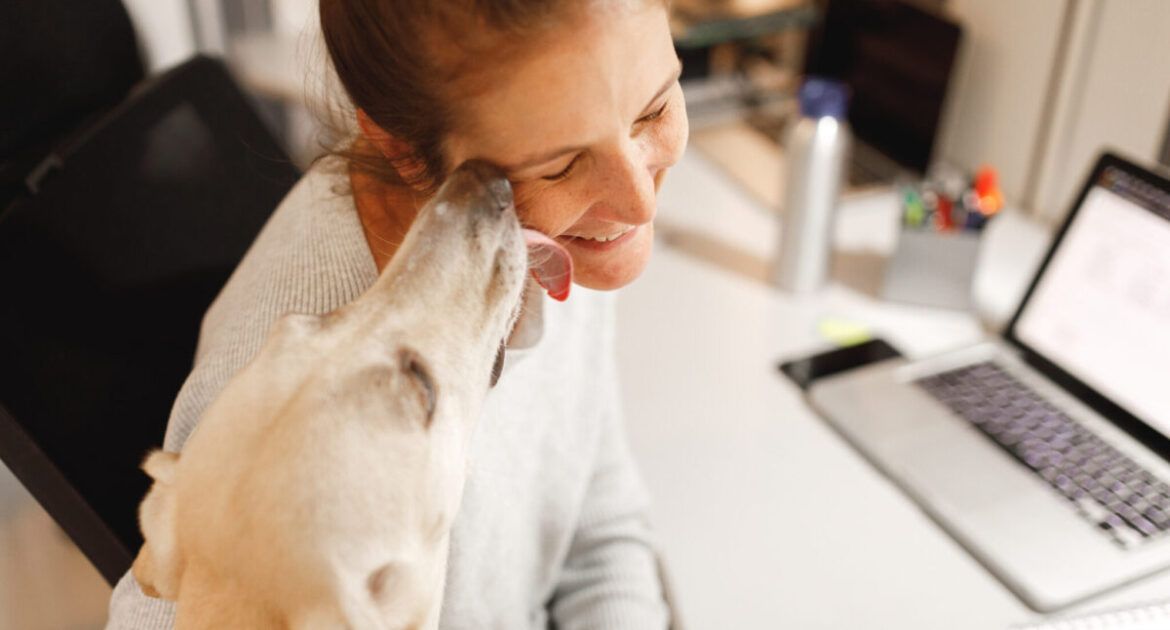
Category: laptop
<point>1045,452</point>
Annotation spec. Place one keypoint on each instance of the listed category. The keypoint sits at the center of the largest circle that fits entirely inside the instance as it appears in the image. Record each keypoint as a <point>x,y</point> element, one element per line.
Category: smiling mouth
<point>605,238</point>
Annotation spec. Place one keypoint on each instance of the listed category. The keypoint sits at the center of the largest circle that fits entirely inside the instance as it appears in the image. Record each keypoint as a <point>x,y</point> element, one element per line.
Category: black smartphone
<point>806,370</point>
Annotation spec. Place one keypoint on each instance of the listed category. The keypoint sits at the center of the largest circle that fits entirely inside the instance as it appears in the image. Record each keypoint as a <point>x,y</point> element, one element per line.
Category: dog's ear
<point>380,582</point>
<point>159,566</point>
<point>414,366</point>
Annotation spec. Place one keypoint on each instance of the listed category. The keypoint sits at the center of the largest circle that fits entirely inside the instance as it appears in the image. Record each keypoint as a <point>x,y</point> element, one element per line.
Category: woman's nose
<point>633,187</point>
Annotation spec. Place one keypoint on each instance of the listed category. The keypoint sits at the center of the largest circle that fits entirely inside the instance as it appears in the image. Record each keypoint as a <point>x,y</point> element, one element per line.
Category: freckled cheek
<point>670,150</point>
<point>550,211</point>
<point>666,146</point>
<point>675,141</point>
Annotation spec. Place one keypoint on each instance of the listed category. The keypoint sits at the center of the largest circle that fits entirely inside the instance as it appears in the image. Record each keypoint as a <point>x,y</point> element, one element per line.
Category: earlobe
<point>398,152</point>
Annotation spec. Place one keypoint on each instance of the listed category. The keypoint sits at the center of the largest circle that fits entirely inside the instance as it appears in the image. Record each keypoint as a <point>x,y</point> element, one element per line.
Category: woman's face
<point>586,121</point>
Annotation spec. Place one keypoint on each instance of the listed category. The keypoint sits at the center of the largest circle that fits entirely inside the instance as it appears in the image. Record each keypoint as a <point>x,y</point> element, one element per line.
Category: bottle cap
<point>820,97</point>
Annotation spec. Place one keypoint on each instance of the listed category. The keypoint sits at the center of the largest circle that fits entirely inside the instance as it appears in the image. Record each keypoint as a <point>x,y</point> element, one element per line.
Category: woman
<point>579,101</point>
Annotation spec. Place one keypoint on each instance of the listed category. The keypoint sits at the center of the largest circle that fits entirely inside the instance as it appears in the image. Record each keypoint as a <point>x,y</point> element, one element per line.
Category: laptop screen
<point>1101,309</point>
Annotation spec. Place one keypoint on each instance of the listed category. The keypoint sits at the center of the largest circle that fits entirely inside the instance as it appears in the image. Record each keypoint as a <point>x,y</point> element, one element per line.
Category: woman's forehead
<point>574,85</point>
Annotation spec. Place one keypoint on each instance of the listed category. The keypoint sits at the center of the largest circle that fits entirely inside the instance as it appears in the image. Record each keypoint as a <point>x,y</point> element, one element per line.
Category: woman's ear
<point>398,152</point>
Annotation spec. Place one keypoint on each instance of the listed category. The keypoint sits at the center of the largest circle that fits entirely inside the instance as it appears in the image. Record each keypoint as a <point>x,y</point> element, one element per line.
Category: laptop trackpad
<point>949,463</point>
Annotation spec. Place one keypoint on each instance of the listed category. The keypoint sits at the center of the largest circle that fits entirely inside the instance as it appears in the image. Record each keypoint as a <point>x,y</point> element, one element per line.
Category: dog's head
<point>335,461</point>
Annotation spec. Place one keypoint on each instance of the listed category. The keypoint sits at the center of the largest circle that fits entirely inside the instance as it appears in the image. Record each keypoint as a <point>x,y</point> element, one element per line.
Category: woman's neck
<point>386,213</point>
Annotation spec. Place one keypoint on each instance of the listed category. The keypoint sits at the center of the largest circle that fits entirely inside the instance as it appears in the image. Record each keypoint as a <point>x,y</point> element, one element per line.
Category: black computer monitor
<point>897,59</point>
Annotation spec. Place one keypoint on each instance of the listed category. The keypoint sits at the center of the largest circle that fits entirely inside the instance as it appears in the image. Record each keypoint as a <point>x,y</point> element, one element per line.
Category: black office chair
<point>63,63</point>
<point>105,273</point>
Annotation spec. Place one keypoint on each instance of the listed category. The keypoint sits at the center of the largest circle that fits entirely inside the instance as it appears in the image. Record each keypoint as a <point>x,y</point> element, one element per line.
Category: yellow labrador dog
<point>320,487</point>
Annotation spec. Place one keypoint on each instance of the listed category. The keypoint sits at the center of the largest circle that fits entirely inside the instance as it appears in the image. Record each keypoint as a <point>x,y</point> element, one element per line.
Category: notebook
<point>1149,616</point>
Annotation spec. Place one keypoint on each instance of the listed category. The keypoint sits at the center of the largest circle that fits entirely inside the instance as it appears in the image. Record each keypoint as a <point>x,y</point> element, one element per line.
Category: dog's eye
<point>416,368</point>
<point>498,366</point>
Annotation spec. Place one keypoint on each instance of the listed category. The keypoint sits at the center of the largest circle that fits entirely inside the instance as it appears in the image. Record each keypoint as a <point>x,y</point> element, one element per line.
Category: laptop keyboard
<point>1121,497</point>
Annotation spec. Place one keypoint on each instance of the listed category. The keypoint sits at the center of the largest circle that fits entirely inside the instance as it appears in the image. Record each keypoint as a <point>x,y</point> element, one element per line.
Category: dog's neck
<point>529,326</point>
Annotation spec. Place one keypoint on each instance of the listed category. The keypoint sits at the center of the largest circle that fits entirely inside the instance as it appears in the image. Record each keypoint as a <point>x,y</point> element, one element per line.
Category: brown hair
<point>398,60</point>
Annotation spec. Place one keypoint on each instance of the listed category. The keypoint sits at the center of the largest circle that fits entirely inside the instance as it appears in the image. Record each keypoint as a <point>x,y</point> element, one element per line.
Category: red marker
<point>944,218</point>
<point>988,192</point>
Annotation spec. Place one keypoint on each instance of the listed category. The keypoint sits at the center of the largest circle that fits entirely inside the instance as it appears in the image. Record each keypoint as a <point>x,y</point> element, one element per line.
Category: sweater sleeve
<point>610,578</point>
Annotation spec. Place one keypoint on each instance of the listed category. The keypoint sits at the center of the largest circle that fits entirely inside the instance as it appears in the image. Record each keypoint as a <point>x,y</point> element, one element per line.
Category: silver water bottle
<point>815,150</point>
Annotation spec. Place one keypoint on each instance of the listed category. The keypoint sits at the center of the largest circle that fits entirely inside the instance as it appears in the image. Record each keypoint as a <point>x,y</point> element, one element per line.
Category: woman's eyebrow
<point>556,153</point>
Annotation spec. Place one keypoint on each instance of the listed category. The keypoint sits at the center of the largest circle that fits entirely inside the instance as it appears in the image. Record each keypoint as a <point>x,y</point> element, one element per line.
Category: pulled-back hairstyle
<point>400,60</point>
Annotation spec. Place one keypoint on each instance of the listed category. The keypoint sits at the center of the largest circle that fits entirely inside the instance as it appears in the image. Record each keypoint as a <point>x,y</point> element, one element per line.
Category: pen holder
<point>932,268</point>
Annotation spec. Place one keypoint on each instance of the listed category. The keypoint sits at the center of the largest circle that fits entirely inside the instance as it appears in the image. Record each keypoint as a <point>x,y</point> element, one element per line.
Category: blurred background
<point>1034,89</point>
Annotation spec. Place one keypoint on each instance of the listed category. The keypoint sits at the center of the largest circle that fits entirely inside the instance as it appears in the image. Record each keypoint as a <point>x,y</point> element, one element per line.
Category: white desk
<point>766,518</point>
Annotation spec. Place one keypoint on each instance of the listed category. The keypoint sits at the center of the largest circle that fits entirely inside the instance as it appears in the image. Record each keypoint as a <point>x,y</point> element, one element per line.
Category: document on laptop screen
<point>1101,311</point>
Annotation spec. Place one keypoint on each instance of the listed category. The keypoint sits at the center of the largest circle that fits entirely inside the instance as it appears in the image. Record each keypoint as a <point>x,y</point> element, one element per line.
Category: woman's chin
<point>613,269</point>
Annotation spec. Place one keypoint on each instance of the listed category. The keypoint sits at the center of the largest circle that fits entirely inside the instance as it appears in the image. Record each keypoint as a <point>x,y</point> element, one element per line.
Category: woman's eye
<point>565,173</point>
<point>654,115</point>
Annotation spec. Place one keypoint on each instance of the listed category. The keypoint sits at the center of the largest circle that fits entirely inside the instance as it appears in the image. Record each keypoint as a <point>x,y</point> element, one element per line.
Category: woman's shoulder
<point>310,257</point>
<point>318,209</point>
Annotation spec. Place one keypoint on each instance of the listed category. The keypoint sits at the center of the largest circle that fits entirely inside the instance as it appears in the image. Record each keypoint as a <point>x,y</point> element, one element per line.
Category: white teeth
<point>605,239</point>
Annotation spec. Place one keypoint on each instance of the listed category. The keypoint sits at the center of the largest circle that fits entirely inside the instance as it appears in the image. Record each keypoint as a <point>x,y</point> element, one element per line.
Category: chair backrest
<point>62,64</point>
<point>105,274</point>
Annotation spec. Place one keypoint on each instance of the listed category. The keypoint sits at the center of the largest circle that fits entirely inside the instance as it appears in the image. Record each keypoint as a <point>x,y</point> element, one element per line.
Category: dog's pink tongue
<point>550,264</point>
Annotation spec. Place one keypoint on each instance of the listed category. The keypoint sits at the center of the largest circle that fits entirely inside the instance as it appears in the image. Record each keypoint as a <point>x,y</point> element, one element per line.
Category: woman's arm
<point>610,579</point>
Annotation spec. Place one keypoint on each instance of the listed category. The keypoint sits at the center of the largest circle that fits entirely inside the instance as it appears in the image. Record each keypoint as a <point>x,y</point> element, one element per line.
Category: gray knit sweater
<point>552,529</point>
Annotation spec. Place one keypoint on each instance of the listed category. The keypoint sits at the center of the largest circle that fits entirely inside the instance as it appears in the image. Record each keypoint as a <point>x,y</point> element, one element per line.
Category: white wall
<point>995,109</point>
<point>1042,85</point>
<point>164,30</point>
<point>1118,95</point>
<point>293,16</point>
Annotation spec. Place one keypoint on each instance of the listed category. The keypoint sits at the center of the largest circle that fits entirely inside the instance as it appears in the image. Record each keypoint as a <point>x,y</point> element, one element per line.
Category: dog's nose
<point>493,179</point>
<point>501,190</point>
